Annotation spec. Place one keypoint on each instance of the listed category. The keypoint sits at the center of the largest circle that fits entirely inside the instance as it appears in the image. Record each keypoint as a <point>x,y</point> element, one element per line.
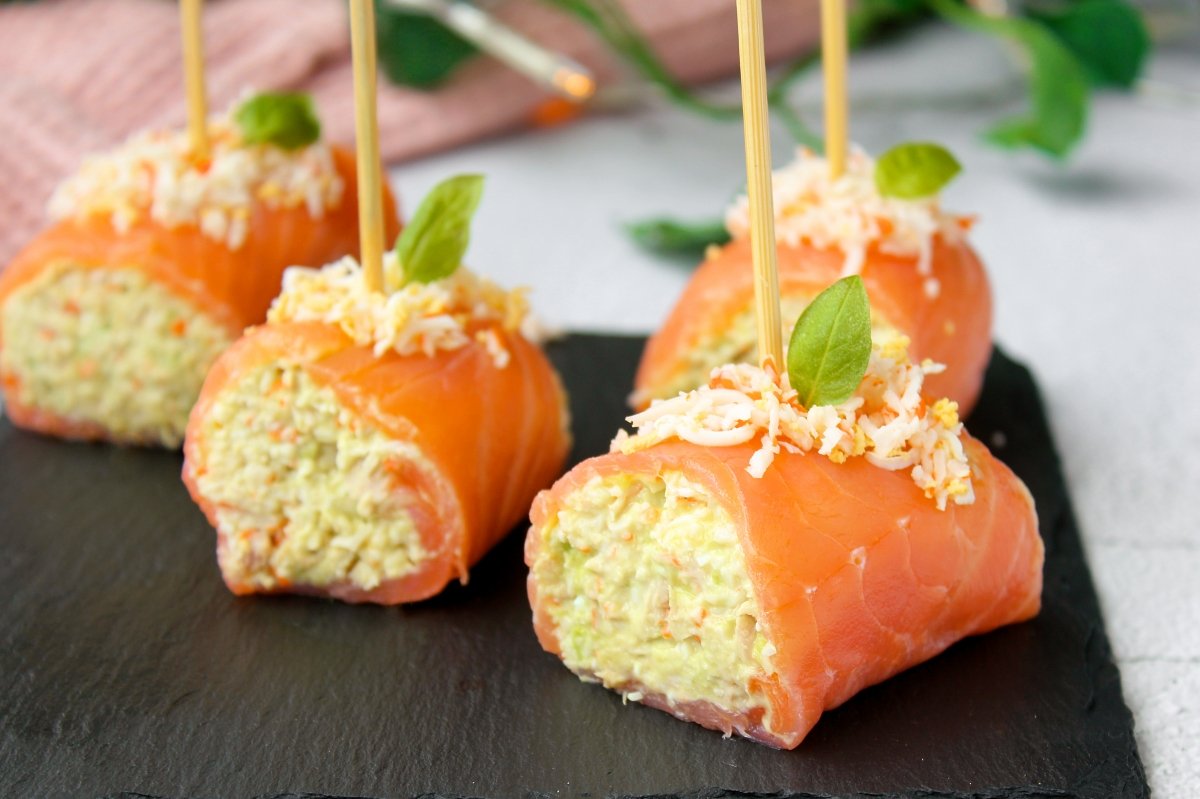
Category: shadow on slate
<point>129,670</point>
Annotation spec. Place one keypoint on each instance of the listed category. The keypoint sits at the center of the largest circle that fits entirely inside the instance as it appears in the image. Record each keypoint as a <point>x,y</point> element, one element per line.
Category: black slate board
<point>126,667</point>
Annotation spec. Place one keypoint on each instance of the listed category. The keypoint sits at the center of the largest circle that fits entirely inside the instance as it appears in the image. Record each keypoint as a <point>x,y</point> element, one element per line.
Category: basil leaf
<point>284,119</point>
<point>678,238</point>
<point>415,49</point>
<point>1108,37</point>
<point>1057,83</point>
<point>831,344</point>
<point>914,170</point>
<point>432,245</point>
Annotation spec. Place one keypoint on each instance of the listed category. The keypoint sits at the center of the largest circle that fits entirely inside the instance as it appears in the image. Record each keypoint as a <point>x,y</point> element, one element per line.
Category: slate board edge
<point>1105,675</point>
<point>712,793</point>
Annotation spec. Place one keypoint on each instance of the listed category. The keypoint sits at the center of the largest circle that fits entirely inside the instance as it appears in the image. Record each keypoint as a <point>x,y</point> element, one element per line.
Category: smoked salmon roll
<point>746,563</point>
<point>156,261</point>
<point>372,446</point>
<point>923,278</point>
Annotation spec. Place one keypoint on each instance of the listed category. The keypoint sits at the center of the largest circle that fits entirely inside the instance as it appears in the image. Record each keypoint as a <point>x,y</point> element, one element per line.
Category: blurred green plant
<point>1058,85</point>
<point>415,49</point>
<point>677,238</point>
<point>1107,37</point>
<point>1069,49</point>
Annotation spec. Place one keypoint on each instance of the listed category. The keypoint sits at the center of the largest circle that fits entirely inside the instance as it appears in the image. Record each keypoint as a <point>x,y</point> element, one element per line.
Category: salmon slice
<point>486,440</point>
<point>854,575</point>
<point>233,288</point>
<point>953,327</point>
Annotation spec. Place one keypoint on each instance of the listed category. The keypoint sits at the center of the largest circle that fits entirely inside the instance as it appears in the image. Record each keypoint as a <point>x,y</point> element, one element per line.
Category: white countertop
<point>1095,268</point>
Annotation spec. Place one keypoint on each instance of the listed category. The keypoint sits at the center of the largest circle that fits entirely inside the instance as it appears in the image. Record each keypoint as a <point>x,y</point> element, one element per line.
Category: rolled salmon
<point>110,318</point>
<point>712,322</point>
<point>358,472</point>
<point>747,564</point>
<point>922,276</point>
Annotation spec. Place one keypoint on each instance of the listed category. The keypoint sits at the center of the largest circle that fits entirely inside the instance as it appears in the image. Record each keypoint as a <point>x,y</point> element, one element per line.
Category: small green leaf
<point>284,119</point>
<point>1108,37</point>
<point>415,49</point>
<point>831,344</point>
<point>432,245</point>
<point>914,170</point>
<point>1057,82</point>
<point>678,238</point>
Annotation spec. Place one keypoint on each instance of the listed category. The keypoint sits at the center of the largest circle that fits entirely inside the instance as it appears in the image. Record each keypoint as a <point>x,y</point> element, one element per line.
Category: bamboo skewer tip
<point>191,13</point>
<point>834,47</point>
<point>366,125</point>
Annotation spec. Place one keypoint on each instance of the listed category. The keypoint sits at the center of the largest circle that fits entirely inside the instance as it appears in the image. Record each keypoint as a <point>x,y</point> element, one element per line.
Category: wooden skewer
<point>366,128</point>
<point>833,65</point>
<point>193,72</point>
<point>758,182</point>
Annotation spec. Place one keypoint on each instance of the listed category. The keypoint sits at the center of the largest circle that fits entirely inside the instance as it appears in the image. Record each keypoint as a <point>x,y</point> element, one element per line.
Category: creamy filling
<point>647,586</point>
<point>306,492</point>
<point>110,347</point>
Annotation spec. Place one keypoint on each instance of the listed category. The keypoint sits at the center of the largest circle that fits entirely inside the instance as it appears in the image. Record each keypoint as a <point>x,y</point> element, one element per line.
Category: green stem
<point>609,20</point>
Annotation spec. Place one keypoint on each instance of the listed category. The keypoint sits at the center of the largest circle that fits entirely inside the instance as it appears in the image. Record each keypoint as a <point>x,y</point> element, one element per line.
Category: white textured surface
<point>1096,271</point>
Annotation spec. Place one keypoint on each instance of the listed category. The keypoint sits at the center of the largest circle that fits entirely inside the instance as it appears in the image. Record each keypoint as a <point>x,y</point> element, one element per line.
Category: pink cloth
<point>80,75</point>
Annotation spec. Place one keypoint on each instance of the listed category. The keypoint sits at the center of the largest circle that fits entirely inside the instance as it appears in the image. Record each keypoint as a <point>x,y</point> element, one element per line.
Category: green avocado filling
<point>306,492</point>
<point>110,347</point>
<point>647,588</point>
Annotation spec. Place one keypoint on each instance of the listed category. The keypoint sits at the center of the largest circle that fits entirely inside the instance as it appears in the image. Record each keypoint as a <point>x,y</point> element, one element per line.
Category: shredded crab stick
<point>746,563</point>
<point>372,447</point>
<point>924,281</point>
<point>155,263</point>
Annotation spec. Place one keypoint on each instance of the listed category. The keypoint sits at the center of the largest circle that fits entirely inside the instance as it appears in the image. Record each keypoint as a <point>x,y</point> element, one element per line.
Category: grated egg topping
<point>156,174</point>
<point>409,318</point>
<point>851,215</point>
<point>886,421</point>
